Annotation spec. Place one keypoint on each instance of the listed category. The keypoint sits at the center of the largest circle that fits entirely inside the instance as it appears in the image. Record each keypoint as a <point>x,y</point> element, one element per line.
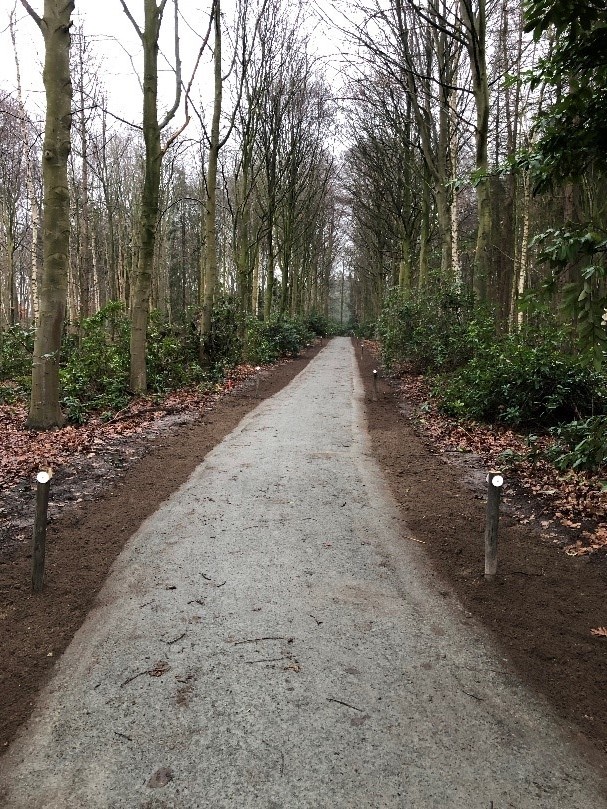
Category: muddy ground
<point>540,609</point>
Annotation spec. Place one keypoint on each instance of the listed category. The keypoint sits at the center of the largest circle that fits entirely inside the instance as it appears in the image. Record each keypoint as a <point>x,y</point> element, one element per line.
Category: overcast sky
<point>115,47</point>
<point>117,52</point>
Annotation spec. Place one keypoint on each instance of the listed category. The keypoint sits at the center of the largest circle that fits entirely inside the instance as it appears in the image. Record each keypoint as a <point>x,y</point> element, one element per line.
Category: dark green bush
<point>279,337</point>
<point>433,332</point>
<point>522,380</point>
<point>363,331</point>
<point>172,355</point>
<point>95,373</point>
<point>580,444</point>
<point>323,326</point>
<point>224,345</point>
<point>16,348</point>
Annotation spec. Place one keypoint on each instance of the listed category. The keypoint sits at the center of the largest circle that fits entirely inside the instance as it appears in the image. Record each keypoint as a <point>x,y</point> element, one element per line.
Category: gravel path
<point>271,638</point>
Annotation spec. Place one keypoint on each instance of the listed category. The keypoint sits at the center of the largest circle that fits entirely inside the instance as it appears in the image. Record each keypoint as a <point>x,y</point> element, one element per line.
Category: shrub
<point>224,345</point>
<point>95,373</point>
<point>522,381</point>
<point>16,349</point>
<point>434,332</point>
<point>322,326</point>
<point>278,337</point>
<point>580,444</point>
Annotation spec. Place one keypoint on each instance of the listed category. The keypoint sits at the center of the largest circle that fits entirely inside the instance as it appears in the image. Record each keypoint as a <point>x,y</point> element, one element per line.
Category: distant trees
<point>242,215</point>
<point>441,113</point>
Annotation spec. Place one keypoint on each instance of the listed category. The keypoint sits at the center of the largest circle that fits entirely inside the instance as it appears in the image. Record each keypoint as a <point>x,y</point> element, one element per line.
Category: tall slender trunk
<point>211,263</point>
<point>476,35</point>
<point>35,214</point>
<point>45,410</point>
<point>85,256</point>
<point>142,282</point>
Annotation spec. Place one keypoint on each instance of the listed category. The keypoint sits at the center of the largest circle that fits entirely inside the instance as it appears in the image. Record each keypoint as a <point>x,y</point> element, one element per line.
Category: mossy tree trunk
<point>45,410</point>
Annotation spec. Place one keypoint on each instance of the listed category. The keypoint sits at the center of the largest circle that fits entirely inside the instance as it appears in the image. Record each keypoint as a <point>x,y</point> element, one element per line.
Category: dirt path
<point>543,604</point>
<point>119,492</point>
<point>271,637</point>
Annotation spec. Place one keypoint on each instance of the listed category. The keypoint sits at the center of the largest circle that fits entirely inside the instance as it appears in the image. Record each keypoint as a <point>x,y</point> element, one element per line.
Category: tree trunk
<point>211,265</point>
<point>476,35</point>
<point>45,411</point>
<point>142,282</point>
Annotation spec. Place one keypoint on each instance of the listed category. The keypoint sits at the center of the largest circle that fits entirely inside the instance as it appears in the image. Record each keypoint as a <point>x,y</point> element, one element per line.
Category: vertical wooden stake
<point>495,482</point>
<point>39,539</point>
<point>362,348</point>
<point>374,385</point>
<point>257,370</point>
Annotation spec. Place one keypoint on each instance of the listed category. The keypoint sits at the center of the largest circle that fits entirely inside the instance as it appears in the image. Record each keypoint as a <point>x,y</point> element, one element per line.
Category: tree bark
<point>476,29</point>
<point>211,265</point>
<point>45,410</point>
<point>142,281</point>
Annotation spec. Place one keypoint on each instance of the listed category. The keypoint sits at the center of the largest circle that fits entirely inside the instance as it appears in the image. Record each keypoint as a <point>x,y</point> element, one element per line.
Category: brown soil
<point>540,608</point>
<point>542,605</point>
<point>89,524</point>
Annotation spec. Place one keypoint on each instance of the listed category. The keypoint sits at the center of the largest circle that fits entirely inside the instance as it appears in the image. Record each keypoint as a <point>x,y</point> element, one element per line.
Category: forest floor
<point>547,597</point>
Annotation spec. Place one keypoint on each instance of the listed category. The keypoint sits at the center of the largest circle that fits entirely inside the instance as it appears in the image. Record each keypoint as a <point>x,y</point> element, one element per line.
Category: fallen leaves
<point>24,451</point>
<point>576,500</point>
<point>600,632</point>
<point>159,668</point>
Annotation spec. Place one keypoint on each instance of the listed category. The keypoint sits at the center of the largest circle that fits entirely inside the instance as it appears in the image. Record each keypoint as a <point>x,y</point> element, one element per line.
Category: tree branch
<point>125,8</point>
<point>35,17</point>
<point>171,113</point>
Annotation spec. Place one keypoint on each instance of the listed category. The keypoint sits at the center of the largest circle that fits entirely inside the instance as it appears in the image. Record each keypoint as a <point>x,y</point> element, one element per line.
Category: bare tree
<point>55,24</point>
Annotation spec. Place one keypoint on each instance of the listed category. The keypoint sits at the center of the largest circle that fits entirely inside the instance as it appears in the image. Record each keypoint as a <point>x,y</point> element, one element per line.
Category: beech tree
<point>152,129</point>
<point>55,24</point>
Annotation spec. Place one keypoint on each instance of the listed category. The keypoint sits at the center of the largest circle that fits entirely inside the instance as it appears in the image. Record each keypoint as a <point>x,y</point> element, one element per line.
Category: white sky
<point>116,49</point>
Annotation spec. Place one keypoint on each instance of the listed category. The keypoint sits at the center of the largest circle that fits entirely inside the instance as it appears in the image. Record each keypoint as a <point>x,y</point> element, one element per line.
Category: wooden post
<point>362,348</point>
<point>374,385</point>
<point>495,481</point>
<point>39,539</point>
<point>257,370</point>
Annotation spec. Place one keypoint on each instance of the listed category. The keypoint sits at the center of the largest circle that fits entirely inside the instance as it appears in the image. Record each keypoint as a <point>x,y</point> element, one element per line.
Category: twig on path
<point>522,573</point>
<point>412,539</point>
<point>134,677</point>
<point>171,642</point>
<point>346,704</point>
<point>123,736</point>
<point>474,696</point>
<point>201,601</point>
<point>209,579</point>
<point>157,670</point>
<point>255,640</point>
<point>318,623</point>
<point>267,660</point>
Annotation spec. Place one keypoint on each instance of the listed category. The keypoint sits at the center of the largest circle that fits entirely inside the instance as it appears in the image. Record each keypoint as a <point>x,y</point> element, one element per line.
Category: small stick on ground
<point>345,704</point>
<point>256,640</point>
<point>175,640</point>
<point>267,660</point>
